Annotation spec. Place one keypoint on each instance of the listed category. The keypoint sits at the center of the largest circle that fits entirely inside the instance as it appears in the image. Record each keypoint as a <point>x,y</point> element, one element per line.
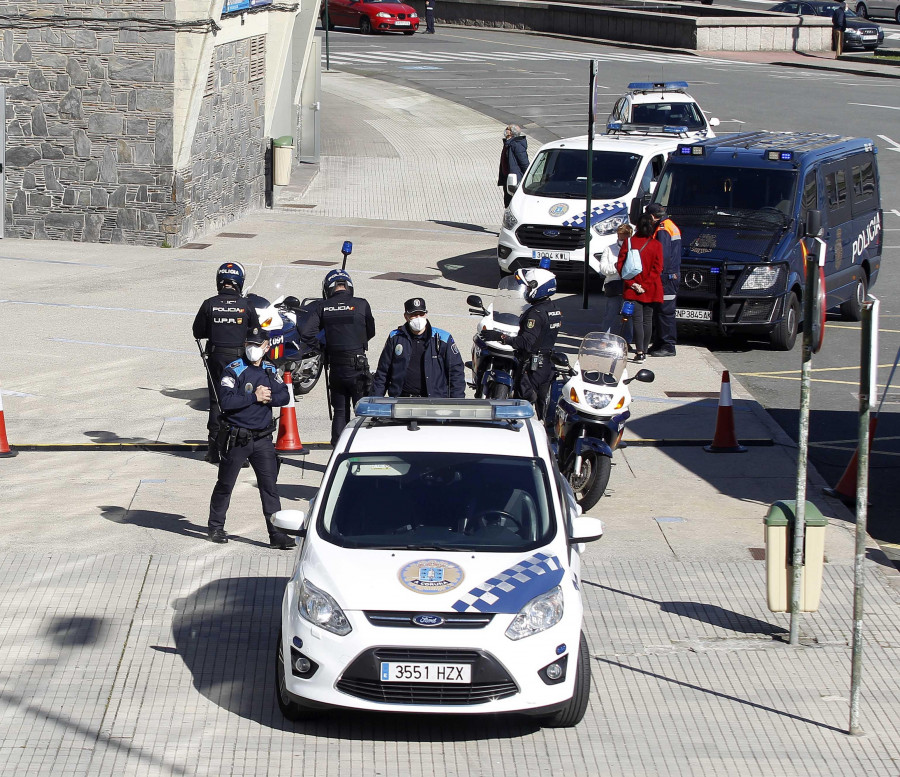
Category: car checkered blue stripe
<point>598,213</point>
<point>514,587</point>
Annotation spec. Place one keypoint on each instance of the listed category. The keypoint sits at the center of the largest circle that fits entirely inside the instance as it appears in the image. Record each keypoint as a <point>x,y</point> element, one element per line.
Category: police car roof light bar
<point>665,86</point>
<point>675,130</point>
<point>415,408</point>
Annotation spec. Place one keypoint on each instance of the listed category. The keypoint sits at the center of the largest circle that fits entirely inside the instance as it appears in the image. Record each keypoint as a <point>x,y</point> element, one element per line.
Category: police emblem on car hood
<point>560,209</point>
<point>431,576</point>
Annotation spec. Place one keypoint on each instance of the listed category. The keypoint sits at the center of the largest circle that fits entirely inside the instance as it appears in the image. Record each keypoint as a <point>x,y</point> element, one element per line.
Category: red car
<point>371,16</point>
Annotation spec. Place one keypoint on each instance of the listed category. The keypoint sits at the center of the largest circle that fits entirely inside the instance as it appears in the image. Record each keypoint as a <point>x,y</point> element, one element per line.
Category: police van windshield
<point>562,172</point>
<point>668,114</point>
<point>750,193</point>
<point>438,501</point>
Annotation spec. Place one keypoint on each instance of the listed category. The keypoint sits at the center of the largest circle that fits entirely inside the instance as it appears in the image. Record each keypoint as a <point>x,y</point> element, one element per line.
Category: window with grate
<point>257,57</point>
<point>210,81</point>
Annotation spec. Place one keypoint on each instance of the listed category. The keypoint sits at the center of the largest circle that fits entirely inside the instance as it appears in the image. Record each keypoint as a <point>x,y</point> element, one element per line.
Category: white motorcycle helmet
<point>539,284</point>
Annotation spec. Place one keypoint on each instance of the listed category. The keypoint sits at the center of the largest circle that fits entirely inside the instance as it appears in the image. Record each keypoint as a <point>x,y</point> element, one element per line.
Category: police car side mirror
<point>585,529</point>
<point>512,183</point>
<point>290,522</point>
<point>637,208</point>
<point>813,223</point>
<point>713,122</point>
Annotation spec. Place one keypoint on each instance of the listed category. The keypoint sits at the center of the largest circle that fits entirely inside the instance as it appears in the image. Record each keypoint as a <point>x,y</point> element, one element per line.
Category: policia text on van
<point>741,203</point>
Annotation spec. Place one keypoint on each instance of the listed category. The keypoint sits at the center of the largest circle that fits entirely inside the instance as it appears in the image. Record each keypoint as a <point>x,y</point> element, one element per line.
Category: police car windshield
<point>747,193</point>
<point>668,114</point>
<point>442,501</point>
<point>562,172</point>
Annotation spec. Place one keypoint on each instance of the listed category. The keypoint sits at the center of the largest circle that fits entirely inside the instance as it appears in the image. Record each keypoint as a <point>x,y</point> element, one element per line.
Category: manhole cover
<point>235,234</point>
<point>693,394</point>
<point>295,205</point>
<point>197,246</point>
<point>403,276</point>
<point>314,263</point>
<point>757,554</point>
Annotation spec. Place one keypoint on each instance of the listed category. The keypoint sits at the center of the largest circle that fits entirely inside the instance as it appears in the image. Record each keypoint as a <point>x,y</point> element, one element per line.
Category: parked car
<point>887,8</point>
<point>658,108</point>
<point>369,16</point>
<point>860,34</point>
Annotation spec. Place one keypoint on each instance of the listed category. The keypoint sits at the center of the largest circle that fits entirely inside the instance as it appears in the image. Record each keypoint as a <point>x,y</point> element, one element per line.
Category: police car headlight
<point>538,615</point>
<point>509,221</point>
<point>761,278</point>
<point>596,400</point>
<point>320,609</point>
<point>610,225</point>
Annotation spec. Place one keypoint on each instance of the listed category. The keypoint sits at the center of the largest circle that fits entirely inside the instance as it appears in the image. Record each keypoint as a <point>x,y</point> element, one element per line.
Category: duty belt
<point>344,358</point>
<point>227,350</point>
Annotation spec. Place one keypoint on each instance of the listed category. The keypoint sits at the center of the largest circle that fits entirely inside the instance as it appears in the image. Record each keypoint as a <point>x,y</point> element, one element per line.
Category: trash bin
<point>283,148</point>
<point>779,527</point>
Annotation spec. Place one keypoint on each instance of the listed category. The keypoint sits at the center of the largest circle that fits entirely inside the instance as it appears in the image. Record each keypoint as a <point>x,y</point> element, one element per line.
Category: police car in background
<point>660,107</point>
<point>439,569</point>
<point>546,217</point>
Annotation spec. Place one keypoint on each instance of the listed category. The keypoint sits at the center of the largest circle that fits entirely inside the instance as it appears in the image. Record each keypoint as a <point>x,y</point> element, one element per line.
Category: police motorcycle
<point>282,316</point>
<point>591,403</point>
<point>494,364</point>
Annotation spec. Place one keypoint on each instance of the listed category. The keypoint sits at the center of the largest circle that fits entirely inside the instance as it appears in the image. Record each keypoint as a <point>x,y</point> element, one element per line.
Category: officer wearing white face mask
<point>248,390</point>
<point>419,360</point>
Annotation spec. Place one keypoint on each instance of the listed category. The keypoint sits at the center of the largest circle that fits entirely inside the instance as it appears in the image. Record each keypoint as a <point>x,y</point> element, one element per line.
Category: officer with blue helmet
<point>248,390</point>
<point>539,326</point>
<point>224,322</point>
<point>419,360</point>
<point>348,325</point>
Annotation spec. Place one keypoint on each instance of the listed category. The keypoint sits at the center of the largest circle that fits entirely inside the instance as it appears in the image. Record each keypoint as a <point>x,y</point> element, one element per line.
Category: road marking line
<point>115,345</point>
<point>94,307</point>
<point>845,448</point>
<point>856,328</point>
<point>895,144</point>
<point>813,380</point>
<point>816,369</point>
<point>875,105</point>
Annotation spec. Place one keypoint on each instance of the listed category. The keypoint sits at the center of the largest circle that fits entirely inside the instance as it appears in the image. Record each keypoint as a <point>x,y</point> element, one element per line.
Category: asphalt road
<point>541,83</point>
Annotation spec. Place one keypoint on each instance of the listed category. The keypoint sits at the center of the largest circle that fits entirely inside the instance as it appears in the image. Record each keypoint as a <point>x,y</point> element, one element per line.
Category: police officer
<point>224,321</point>
<point>538,329</point>
<point>419,360</point>
<point>248,390</point>
<point>665,331</point>
<point>348,326</point>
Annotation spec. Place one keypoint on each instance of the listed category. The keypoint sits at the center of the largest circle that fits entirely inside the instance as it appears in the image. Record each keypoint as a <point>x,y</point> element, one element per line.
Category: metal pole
<point>868,390</point>
<point>809,296</point>
<point>327,48</point>
<point>590,186</point>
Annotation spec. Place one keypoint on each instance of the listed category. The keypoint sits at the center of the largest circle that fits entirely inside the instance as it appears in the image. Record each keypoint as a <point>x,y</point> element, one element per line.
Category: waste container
<point>779,528</point>
<point>283,148</point>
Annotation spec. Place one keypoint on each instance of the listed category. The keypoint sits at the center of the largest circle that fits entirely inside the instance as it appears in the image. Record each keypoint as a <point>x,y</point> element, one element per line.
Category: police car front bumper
<point>506,675</point>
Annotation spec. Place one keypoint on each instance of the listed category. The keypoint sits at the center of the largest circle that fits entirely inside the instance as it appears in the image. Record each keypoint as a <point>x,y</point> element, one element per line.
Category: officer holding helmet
<point>224,322</point>
<point>248,390</point>
<point>348,326</point>
<point>538,329</point>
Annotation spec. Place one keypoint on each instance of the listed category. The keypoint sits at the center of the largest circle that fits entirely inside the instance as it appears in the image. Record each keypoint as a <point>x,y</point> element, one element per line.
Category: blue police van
<point>741,202</point>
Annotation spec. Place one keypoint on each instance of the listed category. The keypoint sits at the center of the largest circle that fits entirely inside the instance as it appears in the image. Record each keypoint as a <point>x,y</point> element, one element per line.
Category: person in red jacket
<point>645,289</point>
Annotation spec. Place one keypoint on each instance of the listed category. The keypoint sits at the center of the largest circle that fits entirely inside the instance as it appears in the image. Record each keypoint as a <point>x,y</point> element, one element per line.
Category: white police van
<point>439,569</point>
<point>546,217</point>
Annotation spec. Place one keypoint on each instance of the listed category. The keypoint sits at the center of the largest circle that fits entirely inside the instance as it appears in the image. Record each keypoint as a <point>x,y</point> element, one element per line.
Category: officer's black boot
<point>212,453</point>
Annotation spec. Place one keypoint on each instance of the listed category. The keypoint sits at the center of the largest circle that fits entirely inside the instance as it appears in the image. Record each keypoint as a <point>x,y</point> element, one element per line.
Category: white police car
<point>661,108</point>
<point>439,569</point>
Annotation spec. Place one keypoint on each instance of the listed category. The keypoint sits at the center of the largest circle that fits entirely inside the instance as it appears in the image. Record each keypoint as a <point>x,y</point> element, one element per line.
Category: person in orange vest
<point>664,328</point>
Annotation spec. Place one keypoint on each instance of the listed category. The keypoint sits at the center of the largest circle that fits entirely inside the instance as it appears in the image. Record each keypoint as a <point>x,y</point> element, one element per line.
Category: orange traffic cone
<point>845,490</point>
<point>5,451</point>
<point>288,439</point>
<point>725,438</point>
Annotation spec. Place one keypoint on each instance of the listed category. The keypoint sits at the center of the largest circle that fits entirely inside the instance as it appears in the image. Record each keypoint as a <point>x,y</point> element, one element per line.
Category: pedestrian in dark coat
<point>513,158</point>
<point>839,27</point>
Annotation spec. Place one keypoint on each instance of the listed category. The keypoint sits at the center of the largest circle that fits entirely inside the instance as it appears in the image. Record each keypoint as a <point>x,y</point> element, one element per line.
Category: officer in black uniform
<point>538,328</point>
<point>248,390</point>
<point>224,322</point>
<point>348,325</point>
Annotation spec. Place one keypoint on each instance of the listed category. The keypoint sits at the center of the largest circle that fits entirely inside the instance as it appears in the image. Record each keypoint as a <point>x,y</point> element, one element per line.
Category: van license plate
<point>408,672</point>
<point>553,256</point>
<point>687,314</point>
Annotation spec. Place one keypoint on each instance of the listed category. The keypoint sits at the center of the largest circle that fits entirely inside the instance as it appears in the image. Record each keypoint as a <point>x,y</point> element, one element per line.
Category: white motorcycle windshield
<point>509,302</point>
<point>602,358</point>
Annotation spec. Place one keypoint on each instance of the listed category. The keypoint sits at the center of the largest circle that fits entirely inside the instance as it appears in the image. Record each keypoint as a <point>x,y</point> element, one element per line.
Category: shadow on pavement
<point>171,522</point>
<point>76,630</point>
<point>719,695</point>
<point>706,613</point>
<point>196,399</point>
<point>226,634</point>
<point>100,436</point>
<point>477,268</point>
<point>466,226</point>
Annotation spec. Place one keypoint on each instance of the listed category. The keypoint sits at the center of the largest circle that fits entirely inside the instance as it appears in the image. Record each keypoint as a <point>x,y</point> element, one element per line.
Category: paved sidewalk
<point>130,645</point>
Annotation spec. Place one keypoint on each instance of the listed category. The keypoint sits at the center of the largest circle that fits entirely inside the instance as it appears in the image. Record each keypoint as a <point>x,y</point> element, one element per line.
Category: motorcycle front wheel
<point>591,483</point>
<point>498,391</point>
<point>305,382</point>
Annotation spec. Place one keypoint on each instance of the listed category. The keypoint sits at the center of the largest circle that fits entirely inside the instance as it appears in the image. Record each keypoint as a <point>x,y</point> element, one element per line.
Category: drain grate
<point>235,234</point>
<point>693,394</point>
<point>314,263</point>
<point>294,205</point>
<point>197,246</point>
<point>757,554</point>
<point>404,276</point>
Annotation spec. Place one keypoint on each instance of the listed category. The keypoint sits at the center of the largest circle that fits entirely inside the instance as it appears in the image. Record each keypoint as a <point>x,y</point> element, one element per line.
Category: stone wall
<point>226,175</point>
<point>89,121</point>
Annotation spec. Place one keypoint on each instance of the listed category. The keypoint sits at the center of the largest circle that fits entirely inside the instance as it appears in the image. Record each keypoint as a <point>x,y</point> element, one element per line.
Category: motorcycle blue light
<point>347,248</point>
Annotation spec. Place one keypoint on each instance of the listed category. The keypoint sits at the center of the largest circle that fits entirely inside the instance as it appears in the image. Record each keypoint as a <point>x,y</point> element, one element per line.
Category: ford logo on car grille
<point>551,233</point>
<point>428,620</point>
